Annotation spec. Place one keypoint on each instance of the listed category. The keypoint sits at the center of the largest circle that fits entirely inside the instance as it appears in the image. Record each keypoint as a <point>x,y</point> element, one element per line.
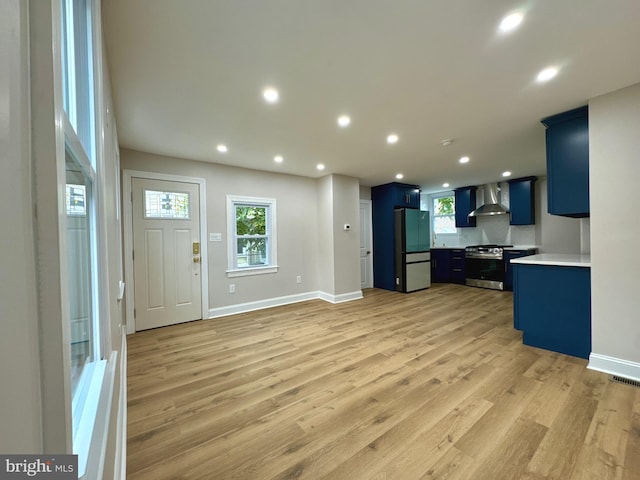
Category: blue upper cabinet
<point>568,163</point>
<point>465,204</point>
<point>522,194</point>
<point>407,196</point>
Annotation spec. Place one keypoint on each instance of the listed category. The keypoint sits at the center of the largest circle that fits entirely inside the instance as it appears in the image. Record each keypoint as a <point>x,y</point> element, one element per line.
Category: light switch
<point>215,237</point>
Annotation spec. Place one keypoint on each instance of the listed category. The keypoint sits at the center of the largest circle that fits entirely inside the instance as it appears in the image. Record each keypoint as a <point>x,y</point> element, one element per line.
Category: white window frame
<point>432,199</point>
<point>82,129</point>
<point>272,267</point>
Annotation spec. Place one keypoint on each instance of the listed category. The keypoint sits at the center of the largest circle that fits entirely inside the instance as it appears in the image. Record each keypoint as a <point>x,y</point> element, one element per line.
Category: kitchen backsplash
<point>493,229</point>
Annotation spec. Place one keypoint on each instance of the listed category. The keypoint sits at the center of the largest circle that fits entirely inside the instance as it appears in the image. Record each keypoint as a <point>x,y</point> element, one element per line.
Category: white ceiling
<point>187,75</point>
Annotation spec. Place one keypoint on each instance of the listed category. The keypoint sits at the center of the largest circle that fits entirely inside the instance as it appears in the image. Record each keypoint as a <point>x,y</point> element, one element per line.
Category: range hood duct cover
<point>491,205</point>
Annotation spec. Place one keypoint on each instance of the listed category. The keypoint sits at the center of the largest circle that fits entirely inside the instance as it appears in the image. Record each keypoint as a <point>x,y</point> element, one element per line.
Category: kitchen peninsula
<point>552,302</point>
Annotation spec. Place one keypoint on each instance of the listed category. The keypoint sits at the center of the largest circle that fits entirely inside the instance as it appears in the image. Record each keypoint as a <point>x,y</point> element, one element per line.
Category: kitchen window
<point>444,214</point>
<point>252,235</point>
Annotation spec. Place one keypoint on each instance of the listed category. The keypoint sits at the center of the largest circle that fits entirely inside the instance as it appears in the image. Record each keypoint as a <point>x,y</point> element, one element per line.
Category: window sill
<point>91,419</point>
<point>85,408</point>
<point>244,272</point>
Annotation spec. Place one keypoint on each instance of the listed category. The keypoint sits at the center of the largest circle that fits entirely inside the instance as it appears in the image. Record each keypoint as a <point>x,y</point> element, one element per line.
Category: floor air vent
<point>627,381</point>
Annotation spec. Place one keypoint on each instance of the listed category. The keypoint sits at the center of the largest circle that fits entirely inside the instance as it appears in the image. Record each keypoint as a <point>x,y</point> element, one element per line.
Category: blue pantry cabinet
<point>385,198</point>
<point>567,139</point>
<point>465,204</point>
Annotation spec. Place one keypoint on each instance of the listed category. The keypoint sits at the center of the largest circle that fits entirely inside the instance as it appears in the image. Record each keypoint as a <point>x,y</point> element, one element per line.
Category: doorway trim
<point>369,226</point>
<point>127,214</point>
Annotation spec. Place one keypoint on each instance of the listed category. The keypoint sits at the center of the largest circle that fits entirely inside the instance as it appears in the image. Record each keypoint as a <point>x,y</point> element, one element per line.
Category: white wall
<point>346,210</point>
<point>326,268</point>
<point>297,218</point>
<point>20,416</point>
<point>614,162</point>
<point>554,234</point>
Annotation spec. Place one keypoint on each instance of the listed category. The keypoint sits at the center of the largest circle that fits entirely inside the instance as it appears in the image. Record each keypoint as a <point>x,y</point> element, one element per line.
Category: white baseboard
<point>278,301</point>
<point>343,297</point>
<point>614,366</point>
<point>120,468</point>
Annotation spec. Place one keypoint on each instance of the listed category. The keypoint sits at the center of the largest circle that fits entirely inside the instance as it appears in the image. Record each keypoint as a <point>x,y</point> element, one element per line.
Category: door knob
<point>196,259</point>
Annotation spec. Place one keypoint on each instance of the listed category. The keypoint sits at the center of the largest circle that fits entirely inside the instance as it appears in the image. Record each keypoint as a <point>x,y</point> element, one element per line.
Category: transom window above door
<point>170,205</point>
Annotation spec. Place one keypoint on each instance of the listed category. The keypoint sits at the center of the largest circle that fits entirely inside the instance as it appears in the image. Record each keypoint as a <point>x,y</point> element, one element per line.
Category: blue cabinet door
<point>567,138</point>
<point>522,201</point>
<point>508,256</point>
<point>465,204</point>
<point>407,195</point>
<point>440,265</point>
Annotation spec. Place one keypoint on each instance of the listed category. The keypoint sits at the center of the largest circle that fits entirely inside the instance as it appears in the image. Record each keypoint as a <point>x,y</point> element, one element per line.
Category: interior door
<point>366,261</point>
<point>166,252</point>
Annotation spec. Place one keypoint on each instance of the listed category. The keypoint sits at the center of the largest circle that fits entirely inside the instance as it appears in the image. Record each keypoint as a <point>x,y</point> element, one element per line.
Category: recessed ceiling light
<point>445,185</point>
<point>399,176</point>
<point>510,22</point>
<point>446,142</point>
<point>393,138</point>
<point>506,174</point>
<point>464,160</point>
<point>278,159</point>
<point>320,166</point>
<point>222,148</point>
<point>270,94</point>
<point>547,74</point>
<point>344,120</point>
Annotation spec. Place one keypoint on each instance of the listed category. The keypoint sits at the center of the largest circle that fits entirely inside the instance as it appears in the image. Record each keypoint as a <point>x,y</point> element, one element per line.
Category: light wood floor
<point>431,385</point>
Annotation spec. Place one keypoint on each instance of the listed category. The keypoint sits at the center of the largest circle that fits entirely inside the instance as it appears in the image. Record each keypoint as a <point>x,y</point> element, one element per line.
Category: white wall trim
<point>614,366</point>
<point>127,176</point>
<point>343,297</point>
<point>120,468</point>
<point>279,301</point>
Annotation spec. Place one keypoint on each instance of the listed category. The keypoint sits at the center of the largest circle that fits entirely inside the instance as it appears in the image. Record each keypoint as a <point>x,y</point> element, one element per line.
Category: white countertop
<point>557,259</point>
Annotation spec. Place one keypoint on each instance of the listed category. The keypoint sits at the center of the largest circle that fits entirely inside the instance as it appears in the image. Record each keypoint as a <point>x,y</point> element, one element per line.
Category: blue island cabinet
<point>552,307</point>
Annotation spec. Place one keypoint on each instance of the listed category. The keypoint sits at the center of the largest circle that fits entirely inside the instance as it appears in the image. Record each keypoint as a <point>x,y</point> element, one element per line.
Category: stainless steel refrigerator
<point>412,250</point>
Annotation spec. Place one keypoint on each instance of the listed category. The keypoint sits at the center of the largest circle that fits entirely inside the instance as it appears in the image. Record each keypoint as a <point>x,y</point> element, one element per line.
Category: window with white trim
<point>444,214</point>
<point>85,270</point>
<point>251,230</point>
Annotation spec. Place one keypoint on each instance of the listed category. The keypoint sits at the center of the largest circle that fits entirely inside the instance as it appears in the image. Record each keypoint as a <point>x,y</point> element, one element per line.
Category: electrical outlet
<point>232,288</point>
<point>298,279</point>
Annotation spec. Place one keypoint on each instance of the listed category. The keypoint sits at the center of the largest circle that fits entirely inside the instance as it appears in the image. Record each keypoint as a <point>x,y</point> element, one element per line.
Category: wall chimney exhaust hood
<point>491,204</point>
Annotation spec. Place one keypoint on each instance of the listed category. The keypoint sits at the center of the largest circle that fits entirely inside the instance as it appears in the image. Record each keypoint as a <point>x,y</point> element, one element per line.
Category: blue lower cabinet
<point>440,265</point>
<point>552,307</point>
<point>508,267</point>
<point>457,265</point>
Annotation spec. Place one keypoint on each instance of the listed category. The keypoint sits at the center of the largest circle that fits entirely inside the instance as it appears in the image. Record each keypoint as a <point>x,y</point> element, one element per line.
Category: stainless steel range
<point>485,266</point>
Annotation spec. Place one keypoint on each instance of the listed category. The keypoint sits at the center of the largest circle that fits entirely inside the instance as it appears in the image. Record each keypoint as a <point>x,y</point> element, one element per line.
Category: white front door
<point>366,260</point>
<point>166,252</point>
